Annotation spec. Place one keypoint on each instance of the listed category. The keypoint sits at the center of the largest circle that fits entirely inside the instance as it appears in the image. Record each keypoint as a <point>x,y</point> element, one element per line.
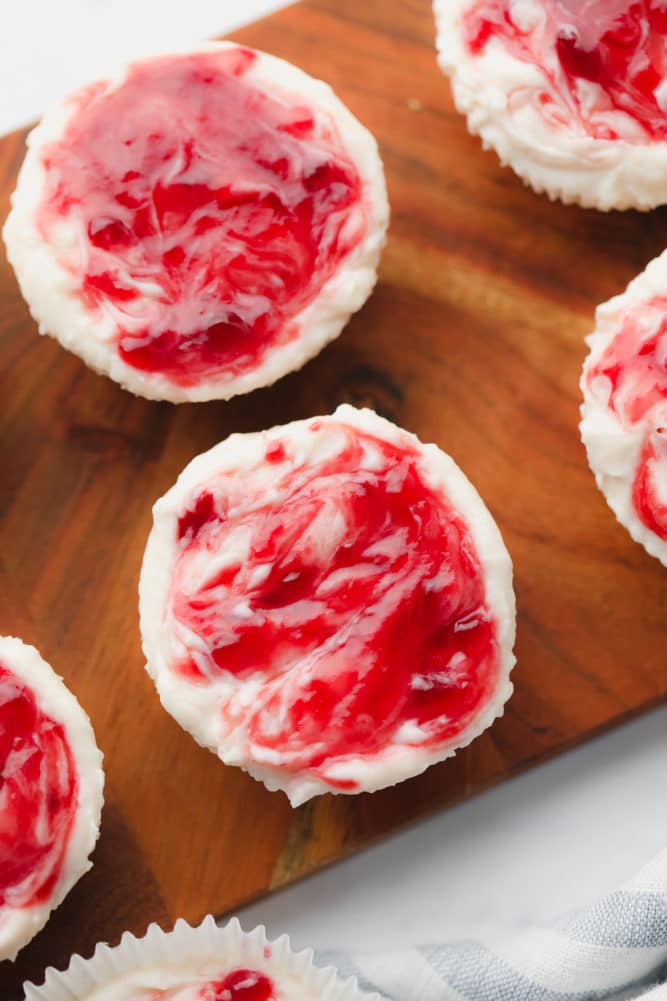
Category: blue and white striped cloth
<point>616,949</point>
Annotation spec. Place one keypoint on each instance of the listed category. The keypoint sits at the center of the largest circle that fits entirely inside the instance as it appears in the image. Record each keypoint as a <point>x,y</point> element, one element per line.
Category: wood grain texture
<point>474,339</point>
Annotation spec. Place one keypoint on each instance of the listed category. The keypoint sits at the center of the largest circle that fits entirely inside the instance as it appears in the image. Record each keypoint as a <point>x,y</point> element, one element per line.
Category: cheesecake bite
<point>51,784</point>
<point>204,963</point>
<point>328,605</point>
<point>624,413</point>
<point>199,225</point>
<point>571,95</point>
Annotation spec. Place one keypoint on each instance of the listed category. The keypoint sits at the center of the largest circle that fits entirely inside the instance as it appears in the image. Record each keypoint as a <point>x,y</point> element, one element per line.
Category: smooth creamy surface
<point>571,95</point>
<point>50,793</point>
<point>624,414</point>
<point>208,221</point>
<point>328,605</point>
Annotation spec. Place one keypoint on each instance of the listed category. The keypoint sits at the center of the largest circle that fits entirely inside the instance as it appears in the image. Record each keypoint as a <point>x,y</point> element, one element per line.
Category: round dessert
<point>206,963</point>
<point>624,413</point>
<point>572,95</point>
<point>200,225</point>
<point>328,605</point>
<point>51,784</point>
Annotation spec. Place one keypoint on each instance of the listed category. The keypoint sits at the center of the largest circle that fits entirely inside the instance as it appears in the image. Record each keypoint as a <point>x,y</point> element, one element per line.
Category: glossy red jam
<point>352,593</point>
<point>38,796</point>
<point>646,496</point>
<point>240,985</point>
<point>208,211</point>
<point>634,370</point>
<point>617,45</point>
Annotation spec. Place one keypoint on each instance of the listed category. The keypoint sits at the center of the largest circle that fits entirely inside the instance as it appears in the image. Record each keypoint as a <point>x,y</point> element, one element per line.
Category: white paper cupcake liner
<point>198,951</point>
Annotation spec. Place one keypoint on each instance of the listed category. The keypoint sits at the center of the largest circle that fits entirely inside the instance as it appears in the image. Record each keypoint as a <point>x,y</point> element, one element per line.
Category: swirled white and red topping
<point>50,793</point>
<point>201,225</point>
<point>236,984</point>
<point>572,95</point>
<point>624,414</point>
<point>328,605</point>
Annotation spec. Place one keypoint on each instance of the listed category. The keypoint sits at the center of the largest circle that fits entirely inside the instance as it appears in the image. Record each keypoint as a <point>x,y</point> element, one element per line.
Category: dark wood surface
<point>473,339</point>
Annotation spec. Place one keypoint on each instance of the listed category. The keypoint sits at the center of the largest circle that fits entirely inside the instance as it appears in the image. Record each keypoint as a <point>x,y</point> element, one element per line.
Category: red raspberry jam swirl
<point>239,985</point>
<point>209,213</point>
<point>634,370</point>
<point>356,604</point>
<point>38,796</point>
<point>617,45</point>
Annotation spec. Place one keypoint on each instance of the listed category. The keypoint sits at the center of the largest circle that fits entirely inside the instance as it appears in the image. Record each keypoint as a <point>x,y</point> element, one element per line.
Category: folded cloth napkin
<point>616,949</point>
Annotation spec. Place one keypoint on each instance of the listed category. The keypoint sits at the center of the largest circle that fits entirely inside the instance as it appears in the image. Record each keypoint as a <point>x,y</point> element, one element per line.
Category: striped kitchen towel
<point>616,949</point>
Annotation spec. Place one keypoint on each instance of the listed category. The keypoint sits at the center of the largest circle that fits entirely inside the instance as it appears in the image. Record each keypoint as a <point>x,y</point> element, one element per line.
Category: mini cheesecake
<point>571,95</point>
<point>328,605</point>
<point>51,784</point>
<point>206,963</point>
<point>624,413</point>
<point>199,225</point>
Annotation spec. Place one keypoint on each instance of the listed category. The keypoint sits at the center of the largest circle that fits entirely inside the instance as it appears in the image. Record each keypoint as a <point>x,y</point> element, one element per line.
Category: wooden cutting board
<point>474,339</point>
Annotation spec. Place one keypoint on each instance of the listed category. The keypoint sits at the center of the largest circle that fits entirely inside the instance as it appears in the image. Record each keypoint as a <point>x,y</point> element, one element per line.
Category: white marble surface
<point>532,848</point>
<point>49,48</point>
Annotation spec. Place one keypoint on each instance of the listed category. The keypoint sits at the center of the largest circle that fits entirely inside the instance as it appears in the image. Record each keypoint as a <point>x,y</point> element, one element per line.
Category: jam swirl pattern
<point>603,63</point>
<point>204,214</point>
<point>344,593</point>
<point>38,796</point>
<point>630,378</point>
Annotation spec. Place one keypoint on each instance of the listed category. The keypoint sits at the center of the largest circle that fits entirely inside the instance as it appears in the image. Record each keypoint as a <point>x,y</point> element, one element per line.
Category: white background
<point>531,849</point>
<point>49,47</point>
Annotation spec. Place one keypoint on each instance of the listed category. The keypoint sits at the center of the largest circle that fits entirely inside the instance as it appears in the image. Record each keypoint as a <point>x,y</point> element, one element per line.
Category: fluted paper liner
<point>160,950</point>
